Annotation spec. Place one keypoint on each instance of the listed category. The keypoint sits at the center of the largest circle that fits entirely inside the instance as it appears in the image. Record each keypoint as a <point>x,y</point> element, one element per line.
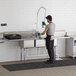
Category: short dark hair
<point>49,17</point>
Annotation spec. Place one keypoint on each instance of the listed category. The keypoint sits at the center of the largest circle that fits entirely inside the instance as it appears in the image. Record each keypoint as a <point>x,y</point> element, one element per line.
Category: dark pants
<point>50,47</point>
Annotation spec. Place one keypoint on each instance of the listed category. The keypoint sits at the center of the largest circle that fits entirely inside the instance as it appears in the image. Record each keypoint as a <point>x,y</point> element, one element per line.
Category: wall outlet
<point>4,24</point>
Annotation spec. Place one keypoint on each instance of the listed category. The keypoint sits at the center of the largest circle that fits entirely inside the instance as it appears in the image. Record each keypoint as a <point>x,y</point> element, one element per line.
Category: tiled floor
<point>56,71</point>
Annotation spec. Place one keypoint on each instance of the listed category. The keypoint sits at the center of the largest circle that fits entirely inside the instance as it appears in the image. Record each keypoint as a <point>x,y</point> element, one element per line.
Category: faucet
<point>65,34</point>
<point>38,14</point>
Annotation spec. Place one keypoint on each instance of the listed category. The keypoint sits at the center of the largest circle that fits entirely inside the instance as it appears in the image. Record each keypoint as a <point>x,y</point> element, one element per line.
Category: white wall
<point>9,51</point>
<point>21,15</point>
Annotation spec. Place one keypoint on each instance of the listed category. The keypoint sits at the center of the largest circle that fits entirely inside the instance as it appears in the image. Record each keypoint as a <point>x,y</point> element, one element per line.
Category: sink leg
<point>73,57</point>
<point>24,55</point>
<point>21,55</point>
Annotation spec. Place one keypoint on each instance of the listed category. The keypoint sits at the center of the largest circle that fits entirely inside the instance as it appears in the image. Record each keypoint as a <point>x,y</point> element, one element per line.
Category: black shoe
<point>49,61</point>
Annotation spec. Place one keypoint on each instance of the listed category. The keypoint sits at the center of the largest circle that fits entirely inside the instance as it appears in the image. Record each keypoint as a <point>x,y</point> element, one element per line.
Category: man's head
<point>49,18</point>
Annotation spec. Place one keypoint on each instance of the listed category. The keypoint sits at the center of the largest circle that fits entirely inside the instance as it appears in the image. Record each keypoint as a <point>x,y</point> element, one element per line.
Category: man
<point>49,30</point>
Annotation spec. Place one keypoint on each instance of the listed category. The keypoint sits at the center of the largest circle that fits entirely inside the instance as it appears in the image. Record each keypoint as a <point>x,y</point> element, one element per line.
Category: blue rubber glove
<point>43,23</point>
<point>38,34</point>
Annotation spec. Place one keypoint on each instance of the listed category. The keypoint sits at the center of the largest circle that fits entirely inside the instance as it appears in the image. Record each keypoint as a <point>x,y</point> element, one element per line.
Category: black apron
<point>50,47</point>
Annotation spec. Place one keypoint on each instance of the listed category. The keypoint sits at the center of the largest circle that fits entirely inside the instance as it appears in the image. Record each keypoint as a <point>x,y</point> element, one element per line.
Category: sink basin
<point>26,43</point>
<point>40,43</point>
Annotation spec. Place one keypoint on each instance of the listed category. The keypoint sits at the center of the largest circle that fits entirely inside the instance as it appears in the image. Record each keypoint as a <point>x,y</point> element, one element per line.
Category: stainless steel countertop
<point>30,36</point>
<point>24,39</point>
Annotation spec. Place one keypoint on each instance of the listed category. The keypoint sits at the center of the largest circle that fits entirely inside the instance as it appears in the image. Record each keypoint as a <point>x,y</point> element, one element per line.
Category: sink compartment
<point>40,43</point>
<point>26,43</point>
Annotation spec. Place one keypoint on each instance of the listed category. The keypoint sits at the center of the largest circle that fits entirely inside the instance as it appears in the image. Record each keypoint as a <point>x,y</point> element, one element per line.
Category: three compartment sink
<point>32,43</point>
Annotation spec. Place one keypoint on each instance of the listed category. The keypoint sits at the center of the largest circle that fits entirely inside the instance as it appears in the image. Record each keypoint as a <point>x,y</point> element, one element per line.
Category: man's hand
<point>43,23</point>
<point>39,34</point>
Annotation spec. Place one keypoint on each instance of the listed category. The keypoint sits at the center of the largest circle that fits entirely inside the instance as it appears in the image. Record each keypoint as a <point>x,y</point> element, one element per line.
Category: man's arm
<point>44,32</point>
<point>46,28</point>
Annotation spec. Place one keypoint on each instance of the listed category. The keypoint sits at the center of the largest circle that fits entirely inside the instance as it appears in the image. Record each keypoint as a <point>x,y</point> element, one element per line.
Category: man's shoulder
<point>51,24</point>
